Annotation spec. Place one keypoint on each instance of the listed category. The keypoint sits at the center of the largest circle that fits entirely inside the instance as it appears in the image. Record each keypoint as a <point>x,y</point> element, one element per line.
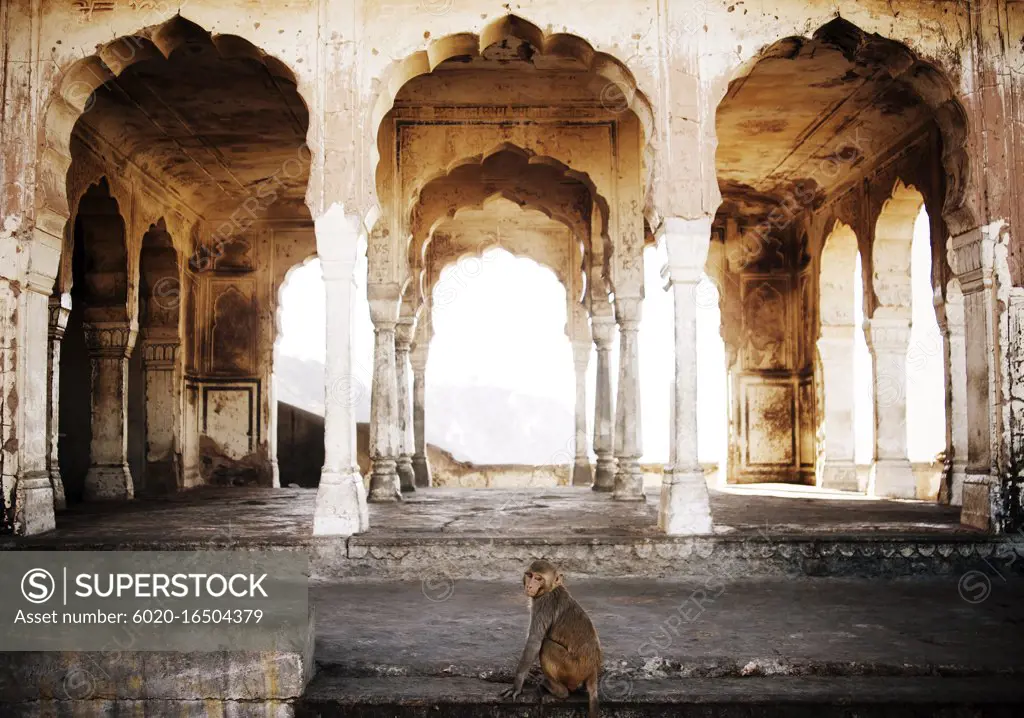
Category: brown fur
<point>561,635</point>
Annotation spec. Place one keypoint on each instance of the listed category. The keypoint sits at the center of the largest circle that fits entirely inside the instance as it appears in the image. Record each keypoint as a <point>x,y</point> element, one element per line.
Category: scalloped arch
<point>470,44</point>
<point>479,251</point>
<point>72,96</point>
<point>528,159</point>
<point>930,83</point>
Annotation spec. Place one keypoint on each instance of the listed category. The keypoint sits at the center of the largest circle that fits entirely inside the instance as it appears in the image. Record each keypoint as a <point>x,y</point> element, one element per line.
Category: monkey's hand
<point>514,692</point>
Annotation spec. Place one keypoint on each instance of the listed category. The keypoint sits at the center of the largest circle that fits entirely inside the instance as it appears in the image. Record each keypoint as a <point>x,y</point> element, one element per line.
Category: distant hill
<point>484,425</point>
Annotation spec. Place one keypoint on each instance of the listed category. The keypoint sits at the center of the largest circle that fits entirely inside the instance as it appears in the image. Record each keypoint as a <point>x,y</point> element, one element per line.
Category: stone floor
<point>252,516</point>
<point>704,628</point>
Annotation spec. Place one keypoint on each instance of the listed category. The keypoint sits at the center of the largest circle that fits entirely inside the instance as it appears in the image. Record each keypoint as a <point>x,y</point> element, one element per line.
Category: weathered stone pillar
<point>836,349</point>
<point>25,311</point>
<point>952,328</point>
<point>159,359</point>
<point>582,473</point>
<point>888,337</point>
<point>418,360</point>
<point>603,329</point>
<point>341,496</point>
<point>60,310</point>
<point>384,481</point>
<point>403,344</point>
<point>685,506</point>
<point>629,478</point>
<point>110,345</point>
<point>971,257</point>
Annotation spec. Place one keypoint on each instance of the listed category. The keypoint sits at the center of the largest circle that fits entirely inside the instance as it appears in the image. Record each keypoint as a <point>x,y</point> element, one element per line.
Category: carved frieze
<point>110,339</point>
<point>766,324</point>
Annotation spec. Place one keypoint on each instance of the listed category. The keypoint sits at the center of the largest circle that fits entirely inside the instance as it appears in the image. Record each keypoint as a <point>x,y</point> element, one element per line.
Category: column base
<point>275,475</point>
<point>629,481</point>
<point>384,482</point>
<point>406,474</point>
<point>421,470</point>
<point>33,505</point>
<point>109,483</point>
<point>604,474</point>
<point>60,502</point>
<point>340,504</point>
<point>582,472</point>
<point>980,502</point>
<point>839,476</point>
<point>893,479</point>
<point>685,508</point>
<point>957,479</point>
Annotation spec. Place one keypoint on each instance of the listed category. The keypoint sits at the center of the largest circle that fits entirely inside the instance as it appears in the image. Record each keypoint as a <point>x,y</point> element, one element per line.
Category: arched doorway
<point>98,340</point>
<point>861,113</point>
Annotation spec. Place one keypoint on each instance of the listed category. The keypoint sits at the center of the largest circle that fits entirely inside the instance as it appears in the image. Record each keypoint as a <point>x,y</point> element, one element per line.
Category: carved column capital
<point>603,329</point>
<point>971,257</point>
<point>110,339</point>
<point>385,301</point>
<point>405,329</point>
<point>888,335</point>
<point>160,353</point>
<point>627,312</point>
<point>687,242</point>
<point>60,310</point>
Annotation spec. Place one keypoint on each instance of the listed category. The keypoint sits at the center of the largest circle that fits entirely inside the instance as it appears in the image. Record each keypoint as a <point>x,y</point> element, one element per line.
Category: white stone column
<point>888,337</point>
<point>971,256</point>
<point>341,496</point>
<point>418,360</point>
<point>685,506</point>
<point>603,329</point>
<point>110,345</point>
<point>159,359</point>
<point>403,345</point>
<point>582,472</point>
<point>956,383</point>
<point>629,478</point>
<point>836,349</point>
<point>384,481</point>
<point>60,310</point>
<point>26,311</point>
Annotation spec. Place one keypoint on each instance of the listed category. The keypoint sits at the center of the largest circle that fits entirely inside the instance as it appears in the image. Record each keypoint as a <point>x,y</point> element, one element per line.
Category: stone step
<point>446,558</point>
<point>782,697</point>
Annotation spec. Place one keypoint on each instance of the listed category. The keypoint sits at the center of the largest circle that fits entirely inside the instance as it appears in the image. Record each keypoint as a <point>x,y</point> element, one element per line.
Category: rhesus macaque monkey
<point>561,634</point>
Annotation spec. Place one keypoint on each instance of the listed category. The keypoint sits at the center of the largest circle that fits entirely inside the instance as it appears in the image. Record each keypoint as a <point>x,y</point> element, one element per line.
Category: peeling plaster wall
<point>347,59</point>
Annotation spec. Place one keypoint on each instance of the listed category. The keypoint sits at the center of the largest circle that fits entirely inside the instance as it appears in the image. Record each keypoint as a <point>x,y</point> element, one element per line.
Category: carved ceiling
<point>216,131</point>
<point>815,114</point>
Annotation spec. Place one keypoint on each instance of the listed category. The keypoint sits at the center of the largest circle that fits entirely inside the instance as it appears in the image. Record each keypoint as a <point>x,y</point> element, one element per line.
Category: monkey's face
<point>536,583</point>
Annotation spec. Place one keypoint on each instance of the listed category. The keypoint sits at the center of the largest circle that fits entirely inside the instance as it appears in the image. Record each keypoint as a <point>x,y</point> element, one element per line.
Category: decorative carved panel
<point>766,324</point>
<point>769,417</point>
<point>233,327</point>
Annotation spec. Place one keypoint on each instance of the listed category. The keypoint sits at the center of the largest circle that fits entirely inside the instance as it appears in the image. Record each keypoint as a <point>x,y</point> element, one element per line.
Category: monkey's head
<point>540,578</point>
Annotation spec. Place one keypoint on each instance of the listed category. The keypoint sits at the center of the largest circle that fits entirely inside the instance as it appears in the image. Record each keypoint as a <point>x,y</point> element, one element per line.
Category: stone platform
<point>450,534</point>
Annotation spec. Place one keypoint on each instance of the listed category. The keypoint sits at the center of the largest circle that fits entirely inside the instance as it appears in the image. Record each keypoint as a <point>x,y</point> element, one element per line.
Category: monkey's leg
<point>592,685</point>
<point>558,667</point>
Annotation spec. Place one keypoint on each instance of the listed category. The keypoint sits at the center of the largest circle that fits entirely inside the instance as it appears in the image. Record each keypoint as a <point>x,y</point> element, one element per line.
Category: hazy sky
<point>500,323</point>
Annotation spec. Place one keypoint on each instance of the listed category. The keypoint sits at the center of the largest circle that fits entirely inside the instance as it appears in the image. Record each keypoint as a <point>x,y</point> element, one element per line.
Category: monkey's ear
<point>558,579</point>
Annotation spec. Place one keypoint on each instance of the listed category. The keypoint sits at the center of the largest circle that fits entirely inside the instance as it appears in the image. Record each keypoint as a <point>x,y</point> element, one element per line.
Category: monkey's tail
<point>592,693</point>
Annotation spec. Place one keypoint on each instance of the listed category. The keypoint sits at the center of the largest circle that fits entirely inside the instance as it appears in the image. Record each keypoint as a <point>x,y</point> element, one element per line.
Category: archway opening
<point>98,318</point>
<point>500,386</point>
<point>860,111</point>
<point>207,135</point>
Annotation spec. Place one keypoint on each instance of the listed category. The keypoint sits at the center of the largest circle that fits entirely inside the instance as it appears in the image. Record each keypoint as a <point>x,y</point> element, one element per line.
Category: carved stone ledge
<point>158,355</point>
<point>60,310</point>
<point>110,339</point>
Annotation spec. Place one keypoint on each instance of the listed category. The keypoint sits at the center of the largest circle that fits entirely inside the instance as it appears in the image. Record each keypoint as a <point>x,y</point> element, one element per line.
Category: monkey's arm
<point>538,629</point>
